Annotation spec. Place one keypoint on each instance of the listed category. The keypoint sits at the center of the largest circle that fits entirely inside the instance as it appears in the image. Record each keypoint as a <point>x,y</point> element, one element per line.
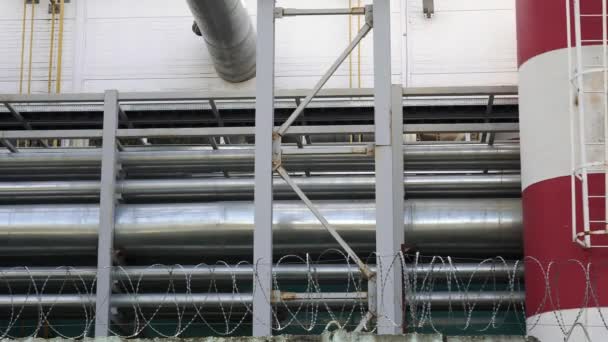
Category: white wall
<point>467,42</point>
<point>148,46</point>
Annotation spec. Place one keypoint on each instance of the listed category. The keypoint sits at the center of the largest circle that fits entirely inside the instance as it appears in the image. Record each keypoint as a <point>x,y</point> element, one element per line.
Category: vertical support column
<point>388,119</point>
<point>107,207</point>
<point>264,124</point>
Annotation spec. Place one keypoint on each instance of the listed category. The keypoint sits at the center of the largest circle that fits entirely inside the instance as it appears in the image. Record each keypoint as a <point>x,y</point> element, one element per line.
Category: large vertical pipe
<point>545,100</point>
<point>229,35</point>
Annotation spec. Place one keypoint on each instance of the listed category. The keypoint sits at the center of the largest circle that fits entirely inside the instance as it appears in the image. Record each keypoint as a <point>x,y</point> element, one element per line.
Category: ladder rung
<point>593,92</point>
<point>595,196</point>
<point>592,15</point>
<point>596,221</point>
<point>592,40</point>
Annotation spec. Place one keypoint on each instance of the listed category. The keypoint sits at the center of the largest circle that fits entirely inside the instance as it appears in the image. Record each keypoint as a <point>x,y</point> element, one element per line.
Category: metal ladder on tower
<point>588,67</point>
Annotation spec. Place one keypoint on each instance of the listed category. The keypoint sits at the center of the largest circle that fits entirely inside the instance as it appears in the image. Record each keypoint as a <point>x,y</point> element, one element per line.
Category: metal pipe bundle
<point>221,229</point>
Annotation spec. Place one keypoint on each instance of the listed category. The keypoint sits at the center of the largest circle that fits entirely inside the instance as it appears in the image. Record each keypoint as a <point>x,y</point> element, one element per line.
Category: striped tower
<point>558,296</point>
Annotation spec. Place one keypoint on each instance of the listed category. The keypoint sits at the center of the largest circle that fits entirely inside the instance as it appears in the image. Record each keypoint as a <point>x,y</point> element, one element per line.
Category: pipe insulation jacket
<point>229,36</point>
<point>242,188</point>
<point>423,157</point>
<point>223,229</point>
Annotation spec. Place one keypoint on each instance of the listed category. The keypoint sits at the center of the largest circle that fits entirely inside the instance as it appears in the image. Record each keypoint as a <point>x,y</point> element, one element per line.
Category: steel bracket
<point>372,301</point>
<point>369,15</point>
<point>280,12</point>
<point>54,5</point>
<point>372,310</point>
<point>277,152</point>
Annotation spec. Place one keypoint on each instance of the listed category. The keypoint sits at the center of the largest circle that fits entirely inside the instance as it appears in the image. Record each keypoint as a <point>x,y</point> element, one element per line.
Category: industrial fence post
<point>107,207</point>
<point>388,120</point>
<point>264,124</point>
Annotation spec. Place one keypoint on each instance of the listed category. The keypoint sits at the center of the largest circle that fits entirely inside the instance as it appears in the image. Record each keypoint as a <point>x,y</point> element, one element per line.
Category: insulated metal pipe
<point>439,271</point>
<point>242,188</point>
<point>171,300</point>
<point>197,159</point>
<point>229,35</point>
<point>147,300</point>
<point>447,226</point>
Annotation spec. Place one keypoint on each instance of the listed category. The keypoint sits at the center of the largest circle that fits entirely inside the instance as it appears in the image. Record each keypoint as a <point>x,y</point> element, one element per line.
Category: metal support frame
<point>303,139</point>
<point>389,215</point>
<point>218,118</point>
<point>283,130</point>
<point>220,123</point>
<point>489,109</point>
<point>388,118</point>
<point>367,273</point>
<point>9,146</point>
<point>351,46</point>
<point>248,95</point>
<point>107,206</point>
<point>123,133</point>
<point>22,120</point>
<point>488,136</point>
<point>268,144</point>
<point>292,12</point>
<point>124,117</point>
<point>264,122</point>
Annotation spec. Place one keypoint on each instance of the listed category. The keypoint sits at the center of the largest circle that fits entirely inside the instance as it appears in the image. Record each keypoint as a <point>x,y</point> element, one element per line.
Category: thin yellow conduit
<point>60,47</point>
<point>52,48</point>
<point>22,46</point>
<point>29,68</point>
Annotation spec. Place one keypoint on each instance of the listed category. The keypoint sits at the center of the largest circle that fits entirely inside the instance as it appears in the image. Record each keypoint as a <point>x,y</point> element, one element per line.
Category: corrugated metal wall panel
<point>11,13</point>
<point>466,42</point>
<point>148,46</point>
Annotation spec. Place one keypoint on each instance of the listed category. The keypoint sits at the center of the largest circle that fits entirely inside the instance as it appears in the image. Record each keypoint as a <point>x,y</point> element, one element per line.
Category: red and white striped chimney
<point>558,298</point>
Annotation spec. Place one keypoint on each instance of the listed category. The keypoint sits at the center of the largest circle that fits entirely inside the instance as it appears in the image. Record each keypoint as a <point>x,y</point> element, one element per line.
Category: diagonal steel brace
<point>365,29</point>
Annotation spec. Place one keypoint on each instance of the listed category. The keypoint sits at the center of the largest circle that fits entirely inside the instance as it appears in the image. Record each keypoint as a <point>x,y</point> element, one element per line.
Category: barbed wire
<point>308,296</point>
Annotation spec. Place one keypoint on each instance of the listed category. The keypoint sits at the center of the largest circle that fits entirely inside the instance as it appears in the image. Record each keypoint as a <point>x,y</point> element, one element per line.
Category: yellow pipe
<point>60,47</point>
<point>29,72</point>
<point>52,49</point>
<point>22,46</point>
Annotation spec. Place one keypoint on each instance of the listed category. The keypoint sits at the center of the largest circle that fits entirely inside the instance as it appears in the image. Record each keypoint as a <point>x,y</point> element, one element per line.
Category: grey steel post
<point>264,122</point>
<point>388,119</point>
<point>107,206</point>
